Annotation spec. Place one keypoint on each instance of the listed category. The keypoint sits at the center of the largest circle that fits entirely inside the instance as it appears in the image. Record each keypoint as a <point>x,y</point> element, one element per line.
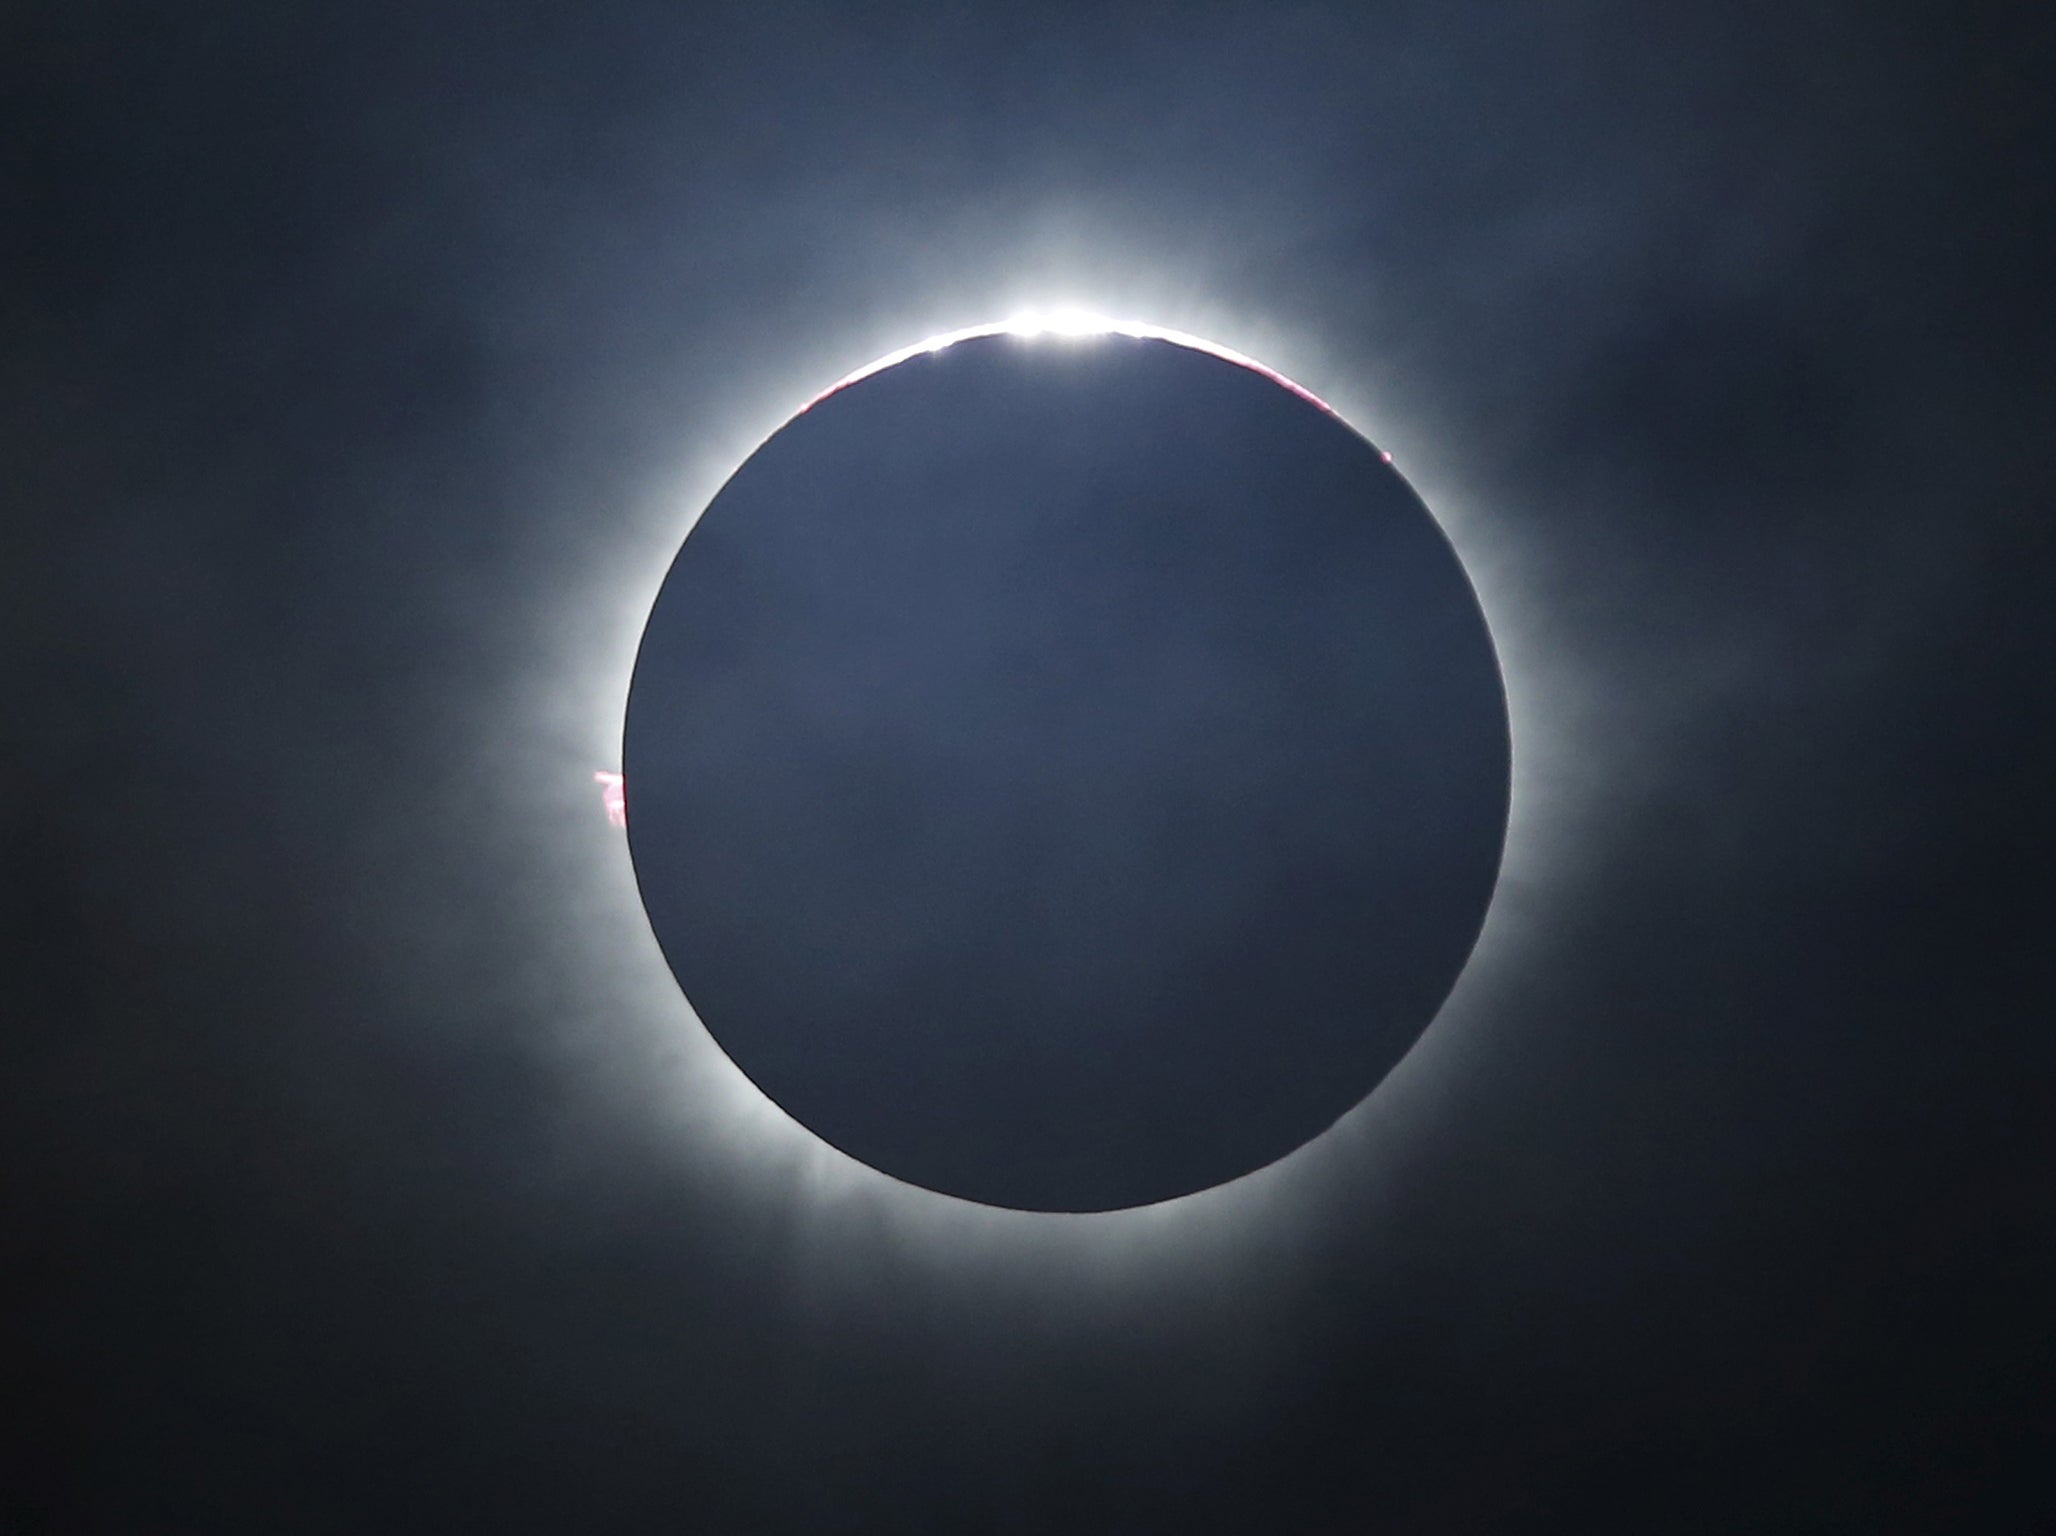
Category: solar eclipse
<point>1067,766</point>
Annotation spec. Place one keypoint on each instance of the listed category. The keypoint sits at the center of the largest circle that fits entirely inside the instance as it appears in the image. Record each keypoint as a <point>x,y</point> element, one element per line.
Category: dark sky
<point>361,368</point>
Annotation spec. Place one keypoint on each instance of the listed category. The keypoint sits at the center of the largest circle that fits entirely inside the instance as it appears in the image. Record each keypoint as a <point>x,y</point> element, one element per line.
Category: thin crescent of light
<point>1068,322</point>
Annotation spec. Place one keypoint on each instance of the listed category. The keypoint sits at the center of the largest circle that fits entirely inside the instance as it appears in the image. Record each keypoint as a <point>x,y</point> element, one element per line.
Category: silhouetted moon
<point>1066,773</point>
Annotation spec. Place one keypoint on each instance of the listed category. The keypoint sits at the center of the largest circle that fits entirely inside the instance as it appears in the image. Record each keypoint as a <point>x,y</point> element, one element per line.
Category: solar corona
<point>1066,766</point>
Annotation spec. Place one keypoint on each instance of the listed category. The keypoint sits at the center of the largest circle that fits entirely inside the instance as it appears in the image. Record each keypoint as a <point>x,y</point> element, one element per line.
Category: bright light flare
<point>1069,322</point>
<point>1065,320</point>
<point>612,797</point>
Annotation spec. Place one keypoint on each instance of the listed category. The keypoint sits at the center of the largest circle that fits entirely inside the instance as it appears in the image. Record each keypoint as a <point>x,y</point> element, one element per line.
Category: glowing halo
<point>686,1106</point>
<point>1049,1102</point>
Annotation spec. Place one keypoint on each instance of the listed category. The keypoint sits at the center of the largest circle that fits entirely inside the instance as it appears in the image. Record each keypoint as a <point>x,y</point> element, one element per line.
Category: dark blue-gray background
<point>361,366</point>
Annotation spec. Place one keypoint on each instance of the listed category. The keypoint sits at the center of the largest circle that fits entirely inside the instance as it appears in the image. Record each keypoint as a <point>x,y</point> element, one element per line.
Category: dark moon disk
<point>1066,773</point>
